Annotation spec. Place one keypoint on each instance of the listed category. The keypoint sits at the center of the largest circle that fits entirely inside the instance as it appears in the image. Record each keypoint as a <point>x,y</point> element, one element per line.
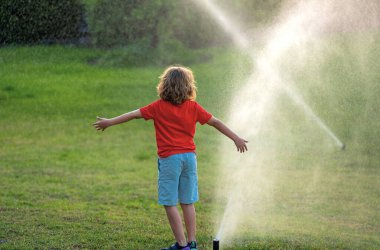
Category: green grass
<point>65,186</point>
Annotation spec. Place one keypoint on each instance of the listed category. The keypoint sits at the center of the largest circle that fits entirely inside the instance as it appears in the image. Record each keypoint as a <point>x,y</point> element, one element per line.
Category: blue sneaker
<point>193,245</point>
<point>176,246</point>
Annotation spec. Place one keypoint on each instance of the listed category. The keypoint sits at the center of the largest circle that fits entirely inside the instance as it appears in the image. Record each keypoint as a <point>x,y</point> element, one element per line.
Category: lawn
<point>63,185</point>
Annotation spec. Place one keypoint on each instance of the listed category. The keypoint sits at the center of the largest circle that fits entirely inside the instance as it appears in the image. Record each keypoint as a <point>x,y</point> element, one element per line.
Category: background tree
<point>41,21</point>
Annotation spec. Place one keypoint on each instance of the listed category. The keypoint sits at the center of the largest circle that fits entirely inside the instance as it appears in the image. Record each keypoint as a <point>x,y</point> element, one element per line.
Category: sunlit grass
<point>64,185</point>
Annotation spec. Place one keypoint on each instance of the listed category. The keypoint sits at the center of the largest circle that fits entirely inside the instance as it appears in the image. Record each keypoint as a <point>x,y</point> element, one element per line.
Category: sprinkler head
<point>215,244</point>
<point>343,146</point>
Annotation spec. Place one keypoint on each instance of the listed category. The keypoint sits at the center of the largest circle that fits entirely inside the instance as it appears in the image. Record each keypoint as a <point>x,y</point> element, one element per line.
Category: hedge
<point>41,21</point>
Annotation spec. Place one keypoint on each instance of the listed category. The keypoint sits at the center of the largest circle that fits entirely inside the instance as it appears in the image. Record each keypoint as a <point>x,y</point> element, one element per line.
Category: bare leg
<point>176,224</point>
<point>190,220</point>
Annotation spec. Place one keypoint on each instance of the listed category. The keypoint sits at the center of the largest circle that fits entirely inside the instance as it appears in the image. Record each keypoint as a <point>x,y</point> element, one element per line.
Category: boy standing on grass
<point>175,116</point>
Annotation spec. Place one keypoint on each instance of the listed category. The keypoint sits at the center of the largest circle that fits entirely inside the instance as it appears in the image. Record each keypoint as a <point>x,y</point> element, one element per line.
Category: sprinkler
<point>215,244</point>
<point>343,146</point>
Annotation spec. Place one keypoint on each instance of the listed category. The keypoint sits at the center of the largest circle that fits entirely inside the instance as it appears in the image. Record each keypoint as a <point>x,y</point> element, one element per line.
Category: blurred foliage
<point>252,13</point>
<point>134,32</point>
<point>168,52</point>
<point>151,22</point>
<point>152,32</point>
<point>127,22</point>
<point>41,21</point>
<point>166,31</point>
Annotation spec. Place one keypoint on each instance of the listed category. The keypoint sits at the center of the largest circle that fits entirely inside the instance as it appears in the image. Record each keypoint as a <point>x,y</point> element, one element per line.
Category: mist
<point>294,109</point>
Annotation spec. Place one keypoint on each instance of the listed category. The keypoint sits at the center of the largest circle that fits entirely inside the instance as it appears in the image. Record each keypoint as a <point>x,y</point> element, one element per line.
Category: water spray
<point>269,79</point>
<point>280,45</point>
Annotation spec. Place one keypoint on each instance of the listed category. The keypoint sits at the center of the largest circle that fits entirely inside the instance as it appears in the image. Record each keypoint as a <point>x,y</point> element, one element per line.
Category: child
<point>175,116</point>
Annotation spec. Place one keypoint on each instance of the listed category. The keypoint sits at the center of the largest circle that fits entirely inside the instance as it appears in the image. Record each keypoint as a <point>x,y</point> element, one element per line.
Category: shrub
<point>163,31</point>
<point>119,22</point>
<point>124,22</point>
<point>41,21</point>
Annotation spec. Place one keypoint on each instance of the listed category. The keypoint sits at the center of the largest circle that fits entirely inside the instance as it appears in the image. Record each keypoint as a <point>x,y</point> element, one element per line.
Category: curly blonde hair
<point>177,85</point>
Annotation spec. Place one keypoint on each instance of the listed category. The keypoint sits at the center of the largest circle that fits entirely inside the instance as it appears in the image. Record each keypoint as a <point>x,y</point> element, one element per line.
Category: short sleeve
<point>149,111</point>
<point>202,115</point>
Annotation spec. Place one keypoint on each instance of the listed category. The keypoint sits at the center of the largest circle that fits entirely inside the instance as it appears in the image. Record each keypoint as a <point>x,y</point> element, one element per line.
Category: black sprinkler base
<point>215,244</point>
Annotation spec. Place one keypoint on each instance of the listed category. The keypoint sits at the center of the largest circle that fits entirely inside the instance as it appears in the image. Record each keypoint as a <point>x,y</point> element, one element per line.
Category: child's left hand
<point>101,123</point>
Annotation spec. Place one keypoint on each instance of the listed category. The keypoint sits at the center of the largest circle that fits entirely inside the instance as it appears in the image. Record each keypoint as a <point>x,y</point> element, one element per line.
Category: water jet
<point>275,49</point>
<point>256,189</point>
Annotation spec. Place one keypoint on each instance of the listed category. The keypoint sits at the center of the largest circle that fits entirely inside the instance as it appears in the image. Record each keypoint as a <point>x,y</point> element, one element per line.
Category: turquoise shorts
<point>177,179</point>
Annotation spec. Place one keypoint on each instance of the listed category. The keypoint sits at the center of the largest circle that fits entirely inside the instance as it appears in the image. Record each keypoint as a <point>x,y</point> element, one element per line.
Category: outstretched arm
<point>219,125</point>
<point>103,123</point>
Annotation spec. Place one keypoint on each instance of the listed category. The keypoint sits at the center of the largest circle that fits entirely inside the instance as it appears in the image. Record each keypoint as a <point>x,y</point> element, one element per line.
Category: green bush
<point>252,13</point>
<point>193,27</point>
<point>41,21</point>
<point>168,52</point>
<point>162,32</point>
<point>152,32</point>
<point>124,22</point>
<point>119,23</point>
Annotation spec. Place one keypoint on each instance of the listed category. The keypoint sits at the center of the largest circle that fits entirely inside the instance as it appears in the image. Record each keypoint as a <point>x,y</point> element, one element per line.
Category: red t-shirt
<point>175,125</point>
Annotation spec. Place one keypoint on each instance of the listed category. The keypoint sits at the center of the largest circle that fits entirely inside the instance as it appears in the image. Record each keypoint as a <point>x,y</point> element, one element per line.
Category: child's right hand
<point>101,123</point>
<point>241,144</point>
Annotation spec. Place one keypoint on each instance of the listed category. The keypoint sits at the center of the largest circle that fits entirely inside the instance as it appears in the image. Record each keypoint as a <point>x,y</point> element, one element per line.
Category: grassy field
<point>65,186</point>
